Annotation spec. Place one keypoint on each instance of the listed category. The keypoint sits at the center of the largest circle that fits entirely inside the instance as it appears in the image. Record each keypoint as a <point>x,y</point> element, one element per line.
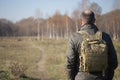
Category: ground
<point>37,60</point>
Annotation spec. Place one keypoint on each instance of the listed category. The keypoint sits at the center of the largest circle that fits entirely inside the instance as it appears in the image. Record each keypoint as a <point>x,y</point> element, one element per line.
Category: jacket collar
<point>89,26</point>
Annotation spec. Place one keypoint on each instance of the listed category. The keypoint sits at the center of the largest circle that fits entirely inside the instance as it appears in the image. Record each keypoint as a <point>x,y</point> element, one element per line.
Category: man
<point>73,52</point>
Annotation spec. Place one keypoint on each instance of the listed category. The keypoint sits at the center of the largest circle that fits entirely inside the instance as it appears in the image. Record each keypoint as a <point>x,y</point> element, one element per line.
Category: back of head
<point>88,16</point>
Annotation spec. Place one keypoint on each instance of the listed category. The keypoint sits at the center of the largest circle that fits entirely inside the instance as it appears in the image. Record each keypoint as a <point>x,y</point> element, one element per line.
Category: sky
<point>16,10</point>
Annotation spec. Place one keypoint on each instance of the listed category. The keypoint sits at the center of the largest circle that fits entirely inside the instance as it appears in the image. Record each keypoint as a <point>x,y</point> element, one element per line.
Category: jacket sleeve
<point>112,60</point>
<point>71,59</point>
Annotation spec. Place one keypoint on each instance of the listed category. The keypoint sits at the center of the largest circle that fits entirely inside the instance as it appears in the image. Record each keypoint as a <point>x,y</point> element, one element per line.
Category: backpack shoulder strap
<point>98,35</point>
<point>84,34</point>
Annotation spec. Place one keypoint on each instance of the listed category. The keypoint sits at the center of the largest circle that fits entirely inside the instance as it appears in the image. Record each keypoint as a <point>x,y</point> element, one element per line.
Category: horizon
<point>15,10</point>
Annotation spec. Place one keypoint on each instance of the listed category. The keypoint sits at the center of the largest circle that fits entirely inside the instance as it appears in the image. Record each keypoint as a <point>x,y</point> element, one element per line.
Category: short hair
<point>88,16</point>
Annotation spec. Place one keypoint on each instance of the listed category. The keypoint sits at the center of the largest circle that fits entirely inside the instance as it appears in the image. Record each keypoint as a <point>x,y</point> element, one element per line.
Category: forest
<point>62,25</point>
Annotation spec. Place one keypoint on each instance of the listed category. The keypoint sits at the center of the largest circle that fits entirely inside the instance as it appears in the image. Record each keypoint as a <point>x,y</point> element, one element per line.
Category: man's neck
<point>84,23</point>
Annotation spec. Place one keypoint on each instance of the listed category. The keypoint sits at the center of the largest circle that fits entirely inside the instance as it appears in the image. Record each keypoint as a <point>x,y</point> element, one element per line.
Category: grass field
<point>36,60</point>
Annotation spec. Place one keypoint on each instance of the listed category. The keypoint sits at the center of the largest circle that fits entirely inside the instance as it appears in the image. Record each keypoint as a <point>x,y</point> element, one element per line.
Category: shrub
<point>17,68</point>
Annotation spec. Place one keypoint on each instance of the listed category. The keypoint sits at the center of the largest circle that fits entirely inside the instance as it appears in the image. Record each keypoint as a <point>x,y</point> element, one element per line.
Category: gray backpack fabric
<point>93,52</point>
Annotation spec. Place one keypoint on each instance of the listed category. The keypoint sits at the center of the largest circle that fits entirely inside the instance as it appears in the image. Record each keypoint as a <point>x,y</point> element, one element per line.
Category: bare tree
<point>95,8</point>
<point>75,16</point>
<point>116,4</point>
<point>67,28</point>
<point>38,16</point>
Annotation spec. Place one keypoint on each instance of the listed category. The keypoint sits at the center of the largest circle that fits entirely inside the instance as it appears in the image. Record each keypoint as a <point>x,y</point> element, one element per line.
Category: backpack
<point>93,52</point>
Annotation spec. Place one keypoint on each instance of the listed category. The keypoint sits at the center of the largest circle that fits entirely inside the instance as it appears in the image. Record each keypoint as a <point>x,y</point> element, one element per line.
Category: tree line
<point>61,25</point>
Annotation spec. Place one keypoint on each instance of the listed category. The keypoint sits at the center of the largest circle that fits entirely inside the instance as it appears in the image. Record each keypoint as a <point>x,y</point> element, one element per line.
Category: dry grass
<point>43,59</point>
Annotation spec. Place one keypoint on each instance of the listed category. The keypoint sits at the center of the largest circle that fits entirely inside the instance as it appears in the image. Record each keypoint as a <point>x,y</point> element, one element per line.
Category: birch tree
<point>38,17</point>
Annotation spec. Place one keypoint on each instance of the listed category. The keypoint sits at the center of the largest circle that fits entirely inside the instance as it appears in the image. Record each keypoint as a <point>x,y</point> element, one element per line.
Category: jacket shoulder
<point>76,37</point>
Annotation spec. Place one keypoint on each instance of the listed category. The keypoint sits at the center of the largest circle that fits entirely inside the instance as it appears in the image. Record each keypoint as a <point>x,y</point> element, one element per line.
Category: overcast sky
<point>16,10</point>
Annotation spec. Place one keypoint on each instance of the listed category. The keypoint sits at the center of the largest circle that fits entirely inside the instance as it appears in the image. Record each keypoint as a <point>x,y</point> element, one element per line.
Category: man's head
<point>87,17</point>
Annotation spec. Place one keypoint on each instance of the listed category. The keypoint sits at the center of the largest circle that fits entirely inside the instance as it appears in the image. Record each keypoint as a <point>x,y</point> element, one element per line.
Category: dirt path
<point>40,68</point>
